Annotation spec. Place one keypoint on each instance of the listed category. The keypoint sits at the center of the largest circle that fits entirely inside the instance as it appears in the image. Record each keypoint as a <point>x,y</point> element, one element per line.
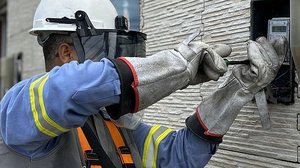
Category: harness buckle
<point>125,155</point>
<point>91,158</point>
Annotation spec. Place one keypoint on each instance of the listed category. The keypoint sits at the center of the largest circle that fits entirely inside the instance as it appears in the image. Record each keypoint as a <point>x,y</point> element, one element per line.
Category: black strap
<point>127,97</point>
<point>195,127</point>
<point>95,144</point>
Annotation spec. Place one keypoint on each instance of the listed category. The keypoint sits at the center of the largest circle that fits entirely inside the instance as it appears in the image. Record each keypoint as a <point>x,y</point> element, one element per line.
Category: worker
<point>85,84</point>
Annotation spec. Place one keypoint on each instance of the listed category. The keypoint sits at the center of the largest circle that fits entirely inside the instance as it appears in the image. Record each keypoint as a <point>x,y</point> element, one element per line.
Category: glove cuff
<point>216,113</point>
<point>156,77</point>
<point>195,125</point>
<point>127,98</point>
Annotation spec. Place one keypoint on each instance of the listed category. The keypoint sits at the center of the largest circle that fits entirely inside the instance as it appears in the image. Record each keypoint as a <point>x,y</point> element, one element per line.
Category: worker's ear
<point>66,53</point>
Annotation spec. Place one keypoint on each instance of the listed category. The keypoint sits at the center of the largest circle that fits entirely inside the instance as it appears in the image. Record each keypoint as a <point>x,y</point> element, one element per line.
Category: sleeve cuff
<point>127,98</point>
<point>195,127</point>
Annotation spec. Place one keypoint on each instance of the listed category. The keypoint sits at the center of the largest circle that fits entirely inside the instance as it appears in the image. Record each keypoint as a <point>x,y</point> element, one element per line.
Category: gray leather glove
<point>212,66</point>
<point>159,75</point>
<point>215,114</point>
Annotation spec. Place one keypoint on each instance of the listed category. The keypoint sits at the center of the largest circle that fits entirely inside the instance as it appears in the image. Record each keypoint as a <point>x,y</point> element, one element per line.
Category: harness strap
<point>85,146</point>
<point>123,150</point>
<point>83,141</point>
<point>97,155</point>
<point>91,158</point>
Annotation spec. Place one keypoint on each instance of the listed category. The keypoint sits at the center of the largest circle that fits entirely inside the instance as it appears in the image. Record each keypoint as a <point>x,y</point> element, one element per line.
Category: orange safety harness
<point>122,149</point>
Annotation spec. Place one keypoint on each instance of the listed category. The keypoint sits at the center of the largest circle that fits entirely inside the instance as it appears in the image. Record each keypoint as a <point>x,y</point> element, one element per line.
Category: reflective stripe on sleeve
<point>150,152</point>
<point>41,119</point>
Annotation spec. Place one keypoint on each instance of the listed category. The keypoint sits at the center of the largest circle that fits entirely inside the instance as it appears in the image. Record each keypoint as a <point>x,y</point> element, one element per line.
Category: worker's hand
<point>159,75</point>
<point>193,54</point>
<point>215,114</point>
<point>264,64</point>
<point>212,65</point>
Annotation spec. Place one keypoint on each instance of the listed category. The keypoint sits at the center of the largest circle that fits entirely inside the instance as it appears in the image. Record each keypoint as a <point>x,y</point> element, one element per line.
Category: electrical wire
<point>202,2</point>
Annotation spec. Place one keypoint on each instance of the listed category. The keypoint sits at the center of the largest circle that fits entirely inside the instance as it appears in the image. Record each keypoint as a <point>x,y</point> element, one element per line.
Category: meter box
<point>281,89</point>
<point>278,27</point>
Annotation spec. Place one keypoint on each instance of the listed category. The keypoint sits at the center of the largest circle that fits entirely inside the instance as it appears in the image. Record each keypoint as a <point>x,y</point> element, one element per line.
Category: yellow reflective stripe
<point>157,142</point>
<point>42,105</point>
<point>34,111</point>
<point>147,144</point>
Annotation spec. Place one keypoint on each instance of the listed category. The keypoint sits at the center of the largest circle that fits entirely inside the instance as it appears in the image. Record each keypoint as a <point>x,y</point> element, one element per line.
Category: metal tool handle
<point>247,62</point>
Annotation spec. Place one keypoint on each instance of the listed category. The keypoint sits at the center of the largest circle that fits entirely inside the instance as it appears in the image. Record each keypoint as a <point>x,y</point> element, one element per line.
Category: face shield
<point>95,44</point>
<point>109,44</point>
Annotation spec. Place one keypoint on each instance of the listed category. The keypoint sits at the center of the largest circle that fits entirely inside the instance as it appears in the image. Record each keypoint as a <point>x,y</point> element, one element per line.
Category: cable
<point>201,18</point>
<point>201,36</point>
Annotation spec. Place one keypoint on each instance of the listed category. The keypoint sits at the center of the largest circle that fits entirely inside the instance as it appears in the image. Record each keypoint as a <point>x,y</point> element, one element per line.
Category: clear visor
<point>110,44</point>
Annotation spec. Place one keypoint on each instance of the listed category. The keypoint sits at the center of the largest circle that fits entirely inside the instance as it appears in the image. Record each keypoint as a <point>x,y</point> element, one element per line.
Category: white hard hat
<point>102,14</point>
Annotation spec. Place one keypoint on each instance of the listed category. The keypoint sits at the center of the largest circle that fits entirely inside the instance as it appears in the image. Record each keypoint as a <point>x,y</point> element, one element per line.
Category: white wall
<point>19,21</point>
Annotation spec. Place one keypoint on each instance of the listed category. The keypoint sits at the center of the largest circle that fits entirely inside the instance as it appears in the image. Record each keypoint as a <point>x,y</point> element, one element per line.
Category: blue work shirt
<point>35,112</point>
